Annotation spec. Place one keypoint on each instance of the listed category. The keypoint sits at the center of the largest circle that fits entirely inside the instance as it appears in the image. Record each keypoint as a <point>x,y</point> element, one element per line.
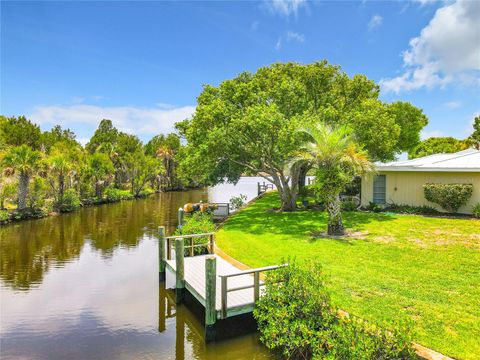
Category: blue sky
<point>143,64</point>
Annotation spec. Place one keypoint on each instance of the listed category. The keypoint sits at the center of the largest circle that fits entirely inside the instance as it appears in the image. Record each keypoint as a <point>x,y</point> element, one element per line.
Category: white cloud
<point>290,36</point>
<point>293,36</point>
<point>375,22</point>
<point>133,120</point>
<point>285,7</point>
<point>453,104</point>
<point>447,50</point>
<point>278,44</point>
<point>426,2</point>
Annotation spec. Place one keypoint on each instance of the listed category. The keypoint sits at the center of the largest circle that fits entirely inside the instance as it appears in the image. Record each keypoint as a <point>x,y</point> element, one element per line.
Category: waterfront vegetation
<point>297,319</point>
<point>389,267</point>
<point>50,171</point>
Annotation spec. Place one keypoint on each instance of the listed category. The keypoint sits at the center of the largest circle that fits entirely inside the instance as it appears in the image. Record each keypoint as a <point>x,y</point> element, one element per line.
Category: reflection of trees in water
<point>29,249</point>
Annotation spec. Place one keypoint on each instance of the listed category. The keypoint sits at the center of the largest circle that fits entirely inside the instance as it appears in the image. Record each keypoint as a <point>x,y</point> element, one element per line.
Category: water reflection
<point>29,249</point>
<point>85,286</point>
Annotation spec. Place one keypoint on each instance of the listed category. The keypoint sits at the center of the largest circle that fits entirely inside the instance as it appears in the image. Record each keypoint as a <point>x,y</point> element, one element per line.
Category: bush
<point>449,196</point>
<point>373,207</point>
<point>70,201</point>
<point>28,213</point>
<point>36,193</point>
<point>197,223</point>
<point>409,209</point>
<point>476,211</point>
<point>4,216</point>
<point>145,193</point>
<point>236,202</point>
<point>297,319</point>
<point>354,338</point>
<point>349,205</point>
<point>114,195</point>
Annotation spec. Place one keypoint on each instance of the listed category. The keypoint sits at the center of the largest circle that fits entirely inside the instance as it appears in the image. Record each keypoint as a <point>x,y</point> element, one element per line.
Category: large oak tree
<point>246,125</point>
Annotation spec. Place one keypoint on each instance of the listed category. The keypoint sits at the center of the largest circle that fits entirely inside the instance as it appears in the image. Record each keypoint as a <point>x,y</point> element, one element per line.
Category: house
<point>401,182</point>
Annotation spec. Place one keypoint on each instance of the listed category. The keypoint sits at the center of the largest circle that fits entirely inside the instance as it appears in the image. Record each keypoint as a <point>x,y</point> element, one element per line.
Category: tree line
<point>51,170</point>
<point>288,119</point>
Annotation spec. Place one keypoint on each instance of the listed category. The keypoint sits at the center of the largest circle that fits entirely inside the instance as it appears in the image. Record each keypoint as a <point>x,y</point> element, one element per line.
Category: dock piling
<point>210,294</point>
<point>161,253</point>
<point>180,271</point>
<point>181,215</point>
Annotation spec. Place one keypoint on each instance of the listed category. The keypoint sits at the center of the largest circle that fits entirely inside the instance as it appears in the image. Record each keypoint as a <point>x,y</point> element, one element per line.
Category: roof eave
<point>425,169</point>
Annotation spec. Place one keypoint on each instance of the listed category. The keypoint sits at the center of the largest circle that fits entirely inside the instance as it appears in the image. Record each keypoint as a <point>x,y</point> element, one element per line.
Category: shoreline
<point>36,214</point>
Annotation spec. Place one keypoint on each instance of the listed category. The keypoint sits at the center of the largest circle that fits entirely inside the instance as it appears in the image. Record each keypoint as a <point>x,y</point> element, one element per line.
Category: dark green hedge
<point>449,196</point>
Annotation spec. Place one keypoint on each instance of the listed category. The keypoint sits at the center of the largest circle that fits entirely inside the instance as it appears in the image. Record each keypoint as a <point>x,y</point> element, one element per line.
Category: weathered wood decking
<point>238,302</point>
<point>220,287</point>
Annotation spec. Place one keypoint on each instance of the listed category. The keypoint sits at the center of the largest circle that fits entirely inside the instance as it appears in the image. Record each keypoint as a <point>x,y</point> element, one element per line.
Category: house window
<point>379,189</point>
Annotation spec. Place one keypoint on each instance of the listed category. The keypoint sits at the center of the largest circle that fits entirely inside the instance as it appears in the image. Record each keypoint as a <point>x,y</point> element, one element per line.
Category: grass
<point>425,268</point>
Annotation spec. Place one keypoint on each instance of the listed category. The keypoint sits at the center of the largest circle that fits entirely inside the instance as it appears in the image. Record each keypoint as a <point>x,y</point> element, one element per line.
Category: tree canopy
<point>246,125</point>
<point>437,145</point>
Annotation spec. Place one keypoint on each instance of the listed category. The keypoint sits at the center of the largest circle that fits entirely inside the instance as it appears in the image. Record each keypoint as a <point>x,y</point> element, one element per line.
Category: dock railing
<point>263,187</point>
<point>210,245</point>
<point>256,285</point>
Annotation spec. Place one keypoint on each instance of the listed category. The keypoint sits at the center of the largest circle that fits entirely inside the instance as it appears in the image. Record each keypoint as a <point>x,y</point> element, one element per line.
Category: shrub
<point>197,223</point>
<point>113,194</point>
<point>409,209</point>
<point>449,196</point>
<point>354,338</point>
<point>146,192</point>
<point>349,205</point>
<point>236,202</point>
<point>70,201</point>
<point>476,210</point>
<point>297,319</point>
<point>373,207</point>
<point>36,193</point>
<point>295,313</point>
<point>4,216</point>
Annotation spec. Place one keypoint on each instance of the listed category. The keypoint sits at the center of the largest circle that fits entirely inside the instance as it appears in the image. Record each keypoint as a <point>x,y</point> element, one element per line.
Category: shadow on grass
<point>258,218</point>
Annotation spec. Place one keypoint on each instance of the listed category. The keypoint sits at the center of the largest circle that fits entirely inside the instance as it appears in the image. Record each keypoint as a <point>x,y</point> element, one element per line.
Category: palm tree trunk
<point>335,225</point>
<point>61,187</point>
<point>23,181</point>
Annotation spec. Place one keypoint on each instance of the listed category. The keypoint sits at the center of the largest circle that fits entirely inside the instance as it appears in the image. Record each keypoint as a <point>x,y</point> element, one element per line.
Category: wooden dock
<point>221,288</point>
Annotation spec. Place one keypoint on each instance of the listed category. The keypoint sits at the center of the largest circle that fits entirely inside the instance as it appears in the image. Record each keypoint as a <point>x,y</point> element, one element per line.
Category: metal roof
<point>463,161</point>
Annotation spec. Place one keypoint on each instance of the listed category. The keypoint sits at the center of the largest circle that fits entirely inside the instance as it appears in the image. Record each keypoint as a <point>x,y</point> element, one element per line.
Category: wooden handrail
<point>251,271</point>
<point>256,284</point>
<point>189,236</point>
<point>210,244</point>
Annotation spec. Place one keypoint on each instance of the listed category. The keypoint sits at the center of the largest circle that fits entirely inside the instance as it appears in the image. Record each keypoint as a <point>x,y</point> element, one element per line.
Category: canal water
<point>85,286</point>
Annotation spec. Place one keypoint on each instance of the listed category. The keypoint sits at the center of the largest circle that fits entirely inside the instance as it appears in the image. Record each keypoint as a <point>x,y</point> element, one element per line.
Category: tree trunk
<point>61,187</point>
<point>287,188</point>
<point>302,176</point>
<point>23,190</point>
<point>334,209</point>
<point>98,189</point>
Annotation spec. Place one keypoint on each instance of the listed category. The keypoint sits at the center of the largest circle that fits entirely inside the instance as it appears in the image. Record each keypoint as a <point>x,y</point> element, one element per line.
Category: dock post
<point>161,253</point>
<point>179,271</point>
<point>258,188</point>
<point>181,215</point>
<point>210,294</point>
<point>162,305</point>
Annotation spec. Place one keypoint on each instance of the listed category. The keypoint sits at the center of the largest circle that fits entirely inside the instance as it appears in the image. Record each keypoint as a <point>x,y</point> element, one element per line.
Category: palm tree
<point>166,154</point>
<point>337,159</point>
<point>60,166</point>
<point>23,160</point>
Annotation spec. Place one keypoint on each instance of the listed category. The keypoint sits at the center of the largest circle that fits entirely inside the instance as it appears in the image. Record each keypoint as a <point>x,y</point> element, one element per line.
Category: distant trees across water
<point>50,171</point>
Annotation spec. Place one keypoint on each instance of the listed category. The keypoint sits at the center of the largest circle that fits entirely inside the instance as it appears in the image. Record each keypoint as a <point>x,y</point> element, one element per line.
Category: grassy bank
<point>397,265</point>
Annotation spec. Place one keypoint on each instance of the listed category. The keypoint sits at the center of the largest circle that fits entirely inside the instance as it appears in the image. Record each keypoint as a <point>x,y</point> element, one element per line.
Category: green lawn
<point>401,265</point>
